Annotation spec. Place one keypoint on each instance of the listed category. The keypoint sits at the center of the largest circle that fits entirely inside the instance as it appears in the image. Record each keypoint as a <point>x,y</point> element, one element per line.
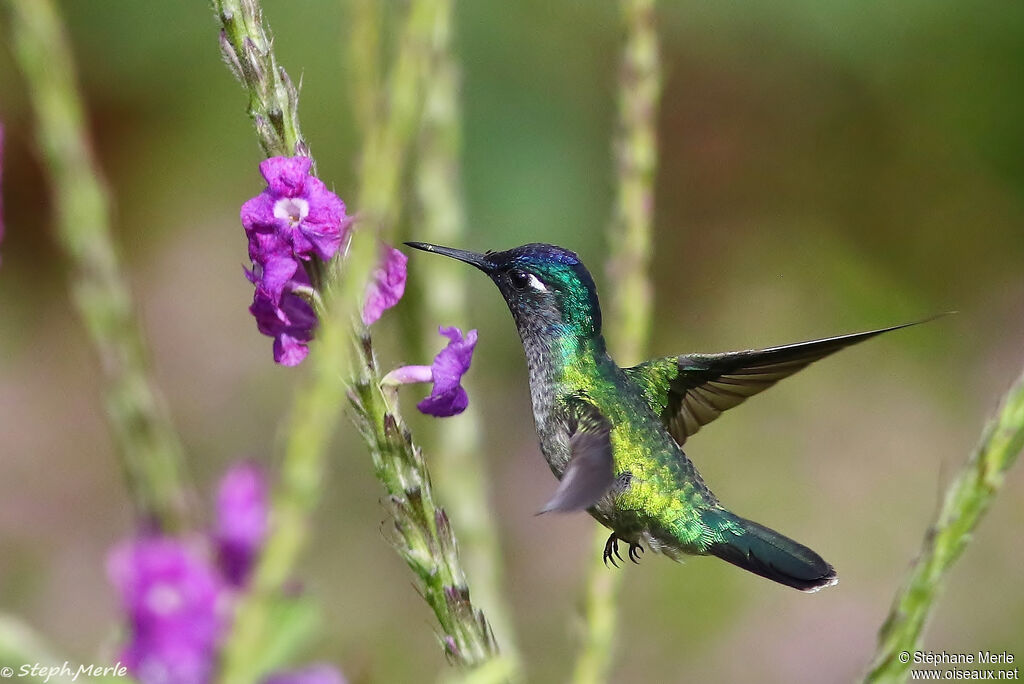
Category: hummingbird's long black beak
<point>479,260</point>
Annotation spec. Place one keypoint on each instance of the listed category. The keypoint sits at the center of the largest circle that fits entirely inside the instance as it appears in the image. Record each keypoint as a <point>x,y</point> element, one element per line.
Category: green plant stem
<point>312,422</point>
<point>422,527</point>
<point>629,321</point>
<point>247,48</point>
<point>149,448</point>
<point>315,411</point>
<point>273,107</point>
<point>636,147</point>
<point>388,140</point>
<point>461,472</point>
<point>423,534</point>
<point>967,500</point>
<point>364,52</point>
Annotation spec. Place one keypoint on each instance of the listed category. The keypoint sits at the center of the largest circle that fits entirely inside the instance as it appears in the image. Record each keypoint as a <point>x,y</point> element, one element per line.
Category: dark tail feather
<point>767,553</point>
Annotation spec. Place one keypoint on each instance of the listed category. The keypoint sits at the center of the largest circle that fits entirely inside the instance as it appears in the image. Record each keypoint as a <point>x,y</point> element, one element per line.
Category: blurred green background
<point>825,167</point>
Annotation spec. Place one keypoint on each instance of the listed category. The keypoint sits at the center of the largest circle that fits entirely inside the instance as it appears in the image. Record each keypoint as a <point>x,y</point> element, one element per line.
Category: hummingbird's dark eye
<point>520,279</point>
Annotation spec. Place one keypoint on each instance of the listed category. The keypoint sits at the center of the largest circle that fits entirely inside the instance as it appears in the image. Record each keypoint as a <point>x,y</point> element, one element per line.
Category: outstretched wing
<point>589,474</point>
<point>692,390</point>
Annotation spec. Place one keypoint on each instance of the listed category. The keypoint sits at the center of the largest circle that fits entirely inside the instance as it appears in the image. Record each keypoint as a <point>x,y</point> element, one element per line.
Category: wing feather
<point>691,390</point>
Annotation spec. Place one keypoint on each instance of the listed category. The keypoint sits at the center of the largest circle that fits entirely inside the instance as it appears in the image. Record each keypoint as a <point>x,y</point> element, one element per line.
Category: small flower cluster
<point>294,220</point>
<point>178,594</point>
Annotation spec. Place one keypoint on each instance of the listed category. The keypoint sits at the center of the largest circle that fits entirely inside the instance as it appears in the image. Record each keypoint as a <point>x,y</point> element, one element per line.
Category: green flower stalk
<point>388,138</point>
<point>273,106</point>
<point>363,43</point>
<point>429,542</point>
<point>247,48</point>
<point>423,534</point>
<point>967,500</point>
<point>636,148</point>
<point>149,448</point>
<point>387,143</point>
<point>629,317</point>
<point>461,474</point>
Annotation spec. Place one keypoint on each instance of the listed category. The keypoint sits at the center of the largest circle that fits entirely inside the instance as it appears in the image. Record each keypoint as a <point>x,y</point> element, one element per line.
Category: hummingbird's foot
<point>611,547</point>
<point>634,552</point>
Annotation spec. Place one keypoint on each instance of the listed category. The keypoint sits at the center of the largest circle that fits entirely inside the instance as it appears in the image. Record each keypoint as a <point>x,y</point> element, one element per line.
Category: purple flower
<point>297,210</point>
<point>313,674</point>
<point>290,323</point>
<point>171,595</point>
<point>295,219</point>
<point>288,318</point>
<point>386,286</point>
<point>241,525</point>
<point>448,397</point>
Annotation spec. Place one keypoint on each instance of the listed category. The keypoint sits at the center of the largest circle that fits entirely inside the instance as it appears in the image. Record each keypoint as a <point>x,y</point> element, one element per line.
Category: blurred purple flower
<point>448,397</point>
<point>386,286</point>
<point>242,516</point>
<point>313,674</point>
<point>297,209</point>
<point>171,596</point>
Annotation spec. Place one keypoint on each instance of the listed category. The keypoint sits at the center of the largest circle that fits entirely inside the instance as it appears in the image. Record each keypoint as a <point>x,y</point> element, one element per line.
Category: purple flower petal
<point>290,351</point>
<point>314,674</point>
<point>171,595</point>
<point>326,225</point>
<point>257,214</point>
<point>290,323</point>
<point>242,516</point>
<point>448,397</point>
<point>294,219</point>
<point>168,661</point>
<point>298,207</point>
<point>275,274</point>
<point>386,286</point>
<point>286,176</point>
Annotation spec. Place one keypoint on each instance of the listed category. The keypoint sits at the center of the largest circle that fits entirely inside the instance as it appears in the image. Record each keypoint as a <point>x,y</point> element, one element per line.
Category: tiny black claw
<point>634,552</point>
<point>610,547</point>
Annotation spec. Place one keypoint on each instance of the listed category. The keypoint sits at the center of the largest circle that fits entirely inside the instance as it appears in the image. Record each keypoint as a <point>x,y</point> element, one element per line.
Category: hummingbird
<point>614,436</point>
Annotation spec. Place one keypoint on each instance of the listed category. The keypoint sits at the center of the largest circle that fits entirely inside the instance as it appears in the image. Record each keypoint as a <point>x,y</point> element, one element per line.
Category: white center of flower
<point>291,209</point>
<point>164,599</point>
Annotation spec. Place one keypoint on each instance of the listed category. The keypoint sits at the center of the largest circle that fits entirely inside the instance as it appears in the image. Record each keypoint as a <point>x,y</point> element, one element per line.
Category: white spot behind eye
<point>535,283</point>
